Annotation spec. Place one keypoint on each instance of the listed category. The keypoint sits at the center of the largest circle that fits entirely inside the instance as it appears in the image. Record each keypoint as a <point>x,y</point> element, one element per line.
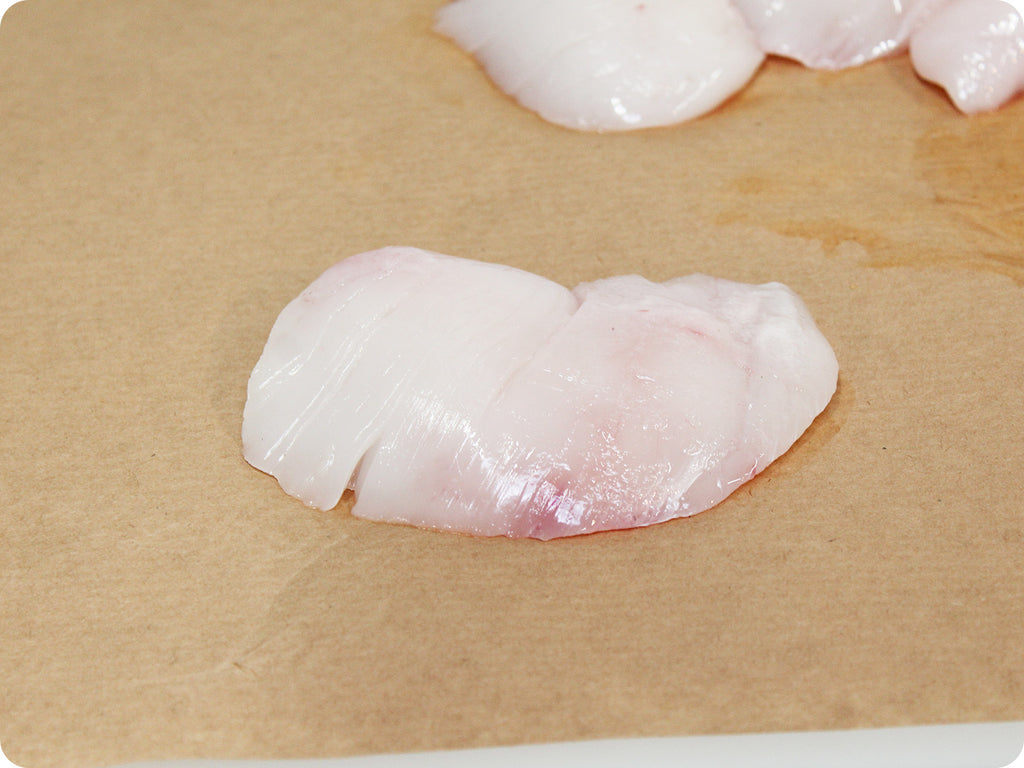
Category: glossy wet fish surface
<point>466,396</point>
<point>974,50</point>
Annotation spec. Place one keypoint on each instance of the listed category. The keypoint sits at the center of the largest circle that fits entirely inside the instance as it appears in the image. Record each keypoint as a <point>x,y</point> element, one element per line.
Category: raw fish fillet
<point>834,34</point>
<point>974,49</point>
<point>608,65</point>
<point>473,397</point>
<point>614,65</point>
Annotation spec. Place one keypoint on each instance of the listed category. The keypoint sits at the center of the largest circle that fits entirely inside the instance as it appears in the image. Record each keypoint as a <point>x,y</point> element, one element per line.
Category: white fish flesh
<point>834,34</point>
<point>464,396</point>
<point>614,65</point>
<point>608,65</point>
<point>974,49</point>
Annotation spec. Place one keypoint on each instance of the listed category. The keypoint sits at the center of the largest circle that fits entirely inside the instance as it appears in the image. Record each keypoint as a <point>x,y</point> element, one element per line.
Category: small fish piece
<point>834,34</point>
<point>608,65</point>
<point>974,49</point>
<point>464,396</point>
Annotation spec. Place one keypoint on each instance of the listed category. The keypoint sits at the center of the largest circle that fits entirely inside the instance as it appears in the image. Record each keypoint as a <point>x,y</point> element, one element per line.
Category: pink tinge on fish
<point>608,65</point>
<point>465,396</point>
<point>974,50</point>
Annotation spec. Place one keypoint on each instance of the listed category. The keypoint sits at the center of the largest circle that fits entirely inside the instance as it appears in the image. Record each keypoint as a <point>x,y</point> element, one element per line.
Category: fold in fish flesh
<point>465,396</point>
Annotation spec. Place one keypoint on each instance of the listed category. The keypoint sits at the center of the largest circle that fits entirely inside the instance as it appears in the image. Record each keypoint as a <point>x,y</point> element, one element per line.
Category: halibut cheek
<point>463,396</point>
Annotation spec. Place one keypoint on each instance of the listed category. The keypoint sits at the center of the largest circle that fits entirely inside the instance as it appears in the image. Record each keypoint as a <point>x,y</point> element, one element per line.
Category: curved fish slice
<point>464,396</point>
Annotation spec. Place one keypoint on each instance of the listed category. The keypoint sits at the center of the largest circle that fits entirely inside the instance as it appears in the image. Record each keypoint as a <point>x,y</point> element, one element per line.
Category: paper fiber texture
<point>174,173</point>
